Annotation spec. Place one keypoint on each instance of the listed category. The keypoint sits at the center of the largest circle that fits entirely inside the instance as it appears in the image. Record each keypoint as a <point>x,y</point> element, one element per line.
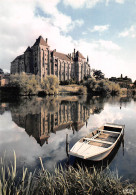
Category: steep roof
<point>28,49</point>
<point>62,56</point>
<point>18,57</point>
<point>80,55</point>
<point>40,41</point>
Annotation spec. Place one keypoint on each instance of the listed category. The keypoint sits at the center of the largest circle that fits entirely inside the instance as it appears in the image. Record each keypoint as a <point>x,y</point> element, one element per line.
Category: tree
<point>1,71</point>
<point>134,83</point>
<point>50,84</point>
<point>98,74</point>
<point>27,84</point>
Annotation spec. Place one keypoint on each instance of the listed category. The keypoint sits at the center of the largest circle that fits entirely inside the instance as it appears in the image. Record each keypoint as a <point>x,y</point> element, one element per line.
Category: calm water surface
<point>37,127</point>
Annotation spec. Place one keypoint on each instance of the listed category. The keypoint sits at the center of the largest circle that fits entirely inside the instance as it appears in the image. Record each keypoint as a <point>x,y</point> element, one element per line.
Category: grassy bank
<point>69,181</point>
<point>72,89</point>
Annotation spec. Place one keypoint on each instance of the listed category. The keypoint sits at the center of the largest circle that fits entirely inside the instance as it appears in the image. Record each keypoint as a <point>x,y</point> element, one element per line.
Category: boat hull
<point>103,155</point>
<point>77,150</point>
<point>100,157</point>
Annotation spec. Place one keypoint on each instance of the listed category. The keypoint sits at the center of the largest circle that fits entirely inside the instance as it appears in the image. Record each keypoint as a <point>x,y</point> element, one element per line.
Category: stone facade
<point>40,60</point>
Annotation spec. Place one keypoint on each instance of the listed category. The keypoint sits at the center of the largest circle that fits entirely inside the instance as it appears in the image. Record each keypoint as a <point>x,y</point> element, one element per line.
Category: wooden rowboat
<point>98,144</point>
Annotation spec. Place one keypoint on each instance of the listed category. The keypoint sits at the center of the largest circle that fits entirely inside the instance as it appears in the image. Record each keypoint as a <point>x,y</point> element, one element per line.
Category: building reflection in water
<point>41,117</point>
<point>66,115</point>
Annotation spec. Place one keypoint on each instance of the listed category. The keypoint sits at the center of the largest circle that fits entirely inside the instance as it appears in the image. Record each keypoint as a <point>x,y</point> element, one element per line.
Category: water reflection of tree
<point>96,104</point>
<point>134,98</point>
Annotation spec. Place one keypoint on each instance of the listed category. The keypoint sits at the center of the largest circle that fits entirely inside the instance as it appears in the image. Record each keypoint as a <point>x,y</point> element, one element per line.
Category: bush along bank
<point>23,84</point>
<point>62,181</point>
<point>102,87</point>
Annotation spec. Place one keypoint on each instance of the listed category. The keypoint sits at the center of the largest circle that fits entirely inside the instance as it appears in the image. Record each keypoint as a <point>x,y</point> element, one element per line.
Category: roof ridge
<point>41,41</point>
<point>62,55</point>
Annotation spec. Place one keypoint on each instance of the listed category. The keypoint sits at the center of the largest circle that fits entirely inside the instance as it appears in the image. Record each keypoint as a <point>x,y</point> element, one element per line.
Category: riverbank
<point>101,88</point>
<point>82,90</point>
<point>72,89</point>
<point>65,92</point>
<point>61,181</point>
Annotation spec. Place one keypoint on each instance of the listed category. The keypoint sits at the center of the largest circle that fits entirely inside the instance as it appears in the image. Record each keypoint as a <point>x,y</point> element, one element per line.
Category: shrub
<point>68,82</point>
<point>27,84</point>
<point>102,87</point>
<point>50,84</point>
<point>31,84</point>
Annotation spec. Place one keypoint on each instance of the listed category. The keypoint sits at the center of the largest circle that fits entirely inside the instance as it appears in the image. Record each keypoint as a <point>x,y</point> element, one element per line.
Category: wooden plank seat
<point>97,140</point>
<point>109,131</point>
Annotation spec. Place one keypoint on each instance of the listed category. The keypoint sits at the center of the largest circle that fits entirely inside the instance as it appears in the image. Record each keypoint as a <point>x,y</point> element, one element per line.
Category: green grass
<point>62,182</point>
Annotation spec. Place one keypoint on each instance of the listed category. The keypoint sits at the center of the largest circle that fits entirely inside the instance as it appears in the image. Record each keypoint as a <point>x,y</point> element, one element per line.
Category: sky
<point>105,30</point>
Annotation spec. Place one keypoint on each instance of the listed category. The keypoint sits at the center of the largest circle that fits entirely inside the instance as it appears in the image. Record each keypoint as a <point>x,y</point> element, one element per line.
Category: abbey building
<point>42,61</point>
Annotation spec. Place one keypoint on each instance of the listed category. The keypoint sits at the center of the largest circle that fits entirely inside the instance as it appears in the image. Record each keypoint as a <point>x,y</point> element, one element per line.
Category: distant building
<point>40,60</point>
<point>122,81</point>
<point>4,78</point>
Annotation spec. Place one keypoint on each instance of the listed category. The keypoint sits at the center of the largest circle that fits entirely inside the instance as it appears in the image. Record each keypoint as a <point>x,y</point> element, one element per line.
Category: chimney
<point>46,40</point>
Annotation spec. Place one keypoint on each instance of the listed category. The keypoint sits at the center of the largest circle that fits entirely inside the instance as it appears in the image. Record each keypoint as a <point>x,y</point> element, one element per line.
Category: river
<point>37,127</point>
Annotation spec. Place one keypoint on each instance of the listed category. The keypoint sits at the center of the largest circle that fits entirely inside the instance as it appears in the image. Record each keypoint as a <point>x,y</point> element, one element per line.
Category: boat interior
<point>102,137</point>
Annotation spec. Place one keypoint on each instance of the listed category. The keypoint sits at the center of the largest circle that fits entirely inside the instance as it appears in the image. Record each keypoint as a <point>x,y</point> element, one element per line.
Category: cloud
<point>130,32</point>
<point>75,4</point>
<point>58,19</point>
<point>78,4</point>
<point>84,33</point>
<point>20,26</point>
<point>81,3</point>
<point>116,1</point>
<point>19,30</point>
<point>120,1</point>
<point>6,71</point>
<point>100,28</point>
<point>106,56</point>
<point>64,23</point>
<point>108,45</point>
